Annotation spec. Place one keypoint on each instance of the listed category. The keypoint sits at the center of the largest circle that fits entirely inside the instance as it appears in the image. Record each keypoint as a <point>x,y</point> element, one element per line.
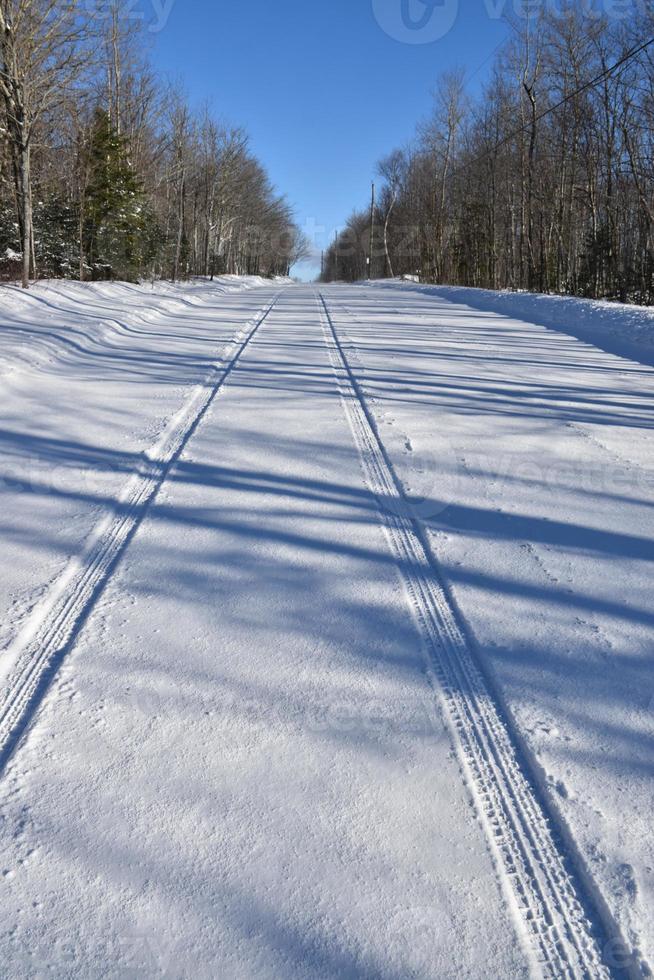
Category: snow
<point>240,767</point>
<point>625,330</point>
<point>86,379</point>
<point>530,455</point>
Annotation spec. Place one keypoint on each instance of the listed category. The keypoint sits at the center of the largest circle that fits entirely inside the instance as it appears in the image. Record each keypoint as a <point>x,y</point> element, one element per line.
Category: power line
<point>564,101</point>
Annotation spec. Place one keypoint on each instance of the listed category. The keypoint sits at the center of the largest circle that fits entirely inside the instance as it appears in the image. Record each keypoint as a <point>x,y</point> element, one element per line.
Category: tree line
<point>105,169</point>
<point>545,182</point>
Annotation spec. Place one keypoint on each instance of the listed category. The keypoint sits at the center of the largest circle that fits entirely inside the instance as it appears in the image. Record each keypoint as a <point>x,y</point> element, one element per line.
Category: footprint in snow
<point>625,881</point>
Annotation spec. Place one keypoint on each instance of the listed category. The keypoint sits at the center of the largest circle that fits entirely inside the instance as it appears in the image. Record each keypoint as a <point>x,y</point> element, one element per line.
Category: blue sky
<point>324,88</point>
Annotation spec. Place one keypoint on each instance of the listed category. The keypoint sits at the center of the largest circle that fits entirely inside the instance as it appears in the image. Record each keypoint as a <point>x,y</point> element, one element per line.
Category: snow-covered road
<point>354,676</point>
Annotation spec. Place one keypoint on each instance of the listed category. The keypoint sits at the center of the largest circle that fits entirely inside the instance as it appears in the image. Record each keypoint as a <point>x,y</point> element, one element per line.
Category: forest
<point>543,182</point>
<point>108,172</point>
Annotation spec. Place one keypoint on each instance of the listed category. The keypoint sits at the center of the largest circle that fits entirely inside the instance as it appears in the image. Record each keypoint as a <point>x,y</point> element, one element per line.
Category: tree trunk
<point>180,228</point>
<point>531,273</point>
<point>26,200</point>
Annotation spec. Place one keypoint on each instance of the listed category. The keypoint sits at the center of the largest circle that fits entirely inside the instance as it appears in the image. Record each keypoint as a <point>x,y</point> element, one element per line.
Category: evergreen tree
<point>55,226</point>
<point>117,226</point>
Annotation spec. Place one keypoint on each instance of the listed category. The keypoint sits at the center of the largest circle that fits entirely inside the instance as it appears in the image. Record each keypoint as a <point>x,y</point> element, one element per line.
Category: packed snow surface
<point>230,750</point>
<point>626,330</point>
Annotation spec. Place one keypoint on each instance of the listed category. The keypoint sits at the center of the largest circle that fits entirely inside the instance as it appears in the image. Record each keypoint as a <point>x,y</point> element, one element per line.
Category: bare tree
<point>41,53</point>
<point>393,170</point>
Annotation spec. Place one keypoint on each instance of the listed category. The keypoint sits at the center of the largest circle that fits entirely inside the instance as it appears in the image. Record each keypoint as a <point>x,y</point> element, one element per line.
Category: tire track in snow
<point>33,657</point>
<point>555,916</point>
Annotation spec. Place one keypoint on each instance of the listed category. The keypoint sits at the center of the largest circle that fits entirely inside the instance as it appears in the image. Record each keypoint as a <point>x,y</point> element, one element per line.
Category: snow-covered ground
<point>531,456</point>
<point>327,637</point>
<point>625,330</point>
<point>88,375</point>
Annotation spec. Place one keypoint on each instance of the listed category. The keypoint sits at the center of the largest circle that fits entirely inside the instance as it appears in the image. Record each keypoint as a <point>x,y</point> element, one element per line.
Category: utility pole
<point>322,265</point>
<point>372,231</point>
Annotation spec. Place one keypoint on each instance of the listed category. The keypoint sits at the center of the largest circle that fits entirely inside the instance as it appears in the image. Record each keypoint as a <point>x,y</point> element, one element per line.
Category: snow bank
<point>159,293</point>
<point>142,301</point>
<point>627,331</point>
<point>38,325</point>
